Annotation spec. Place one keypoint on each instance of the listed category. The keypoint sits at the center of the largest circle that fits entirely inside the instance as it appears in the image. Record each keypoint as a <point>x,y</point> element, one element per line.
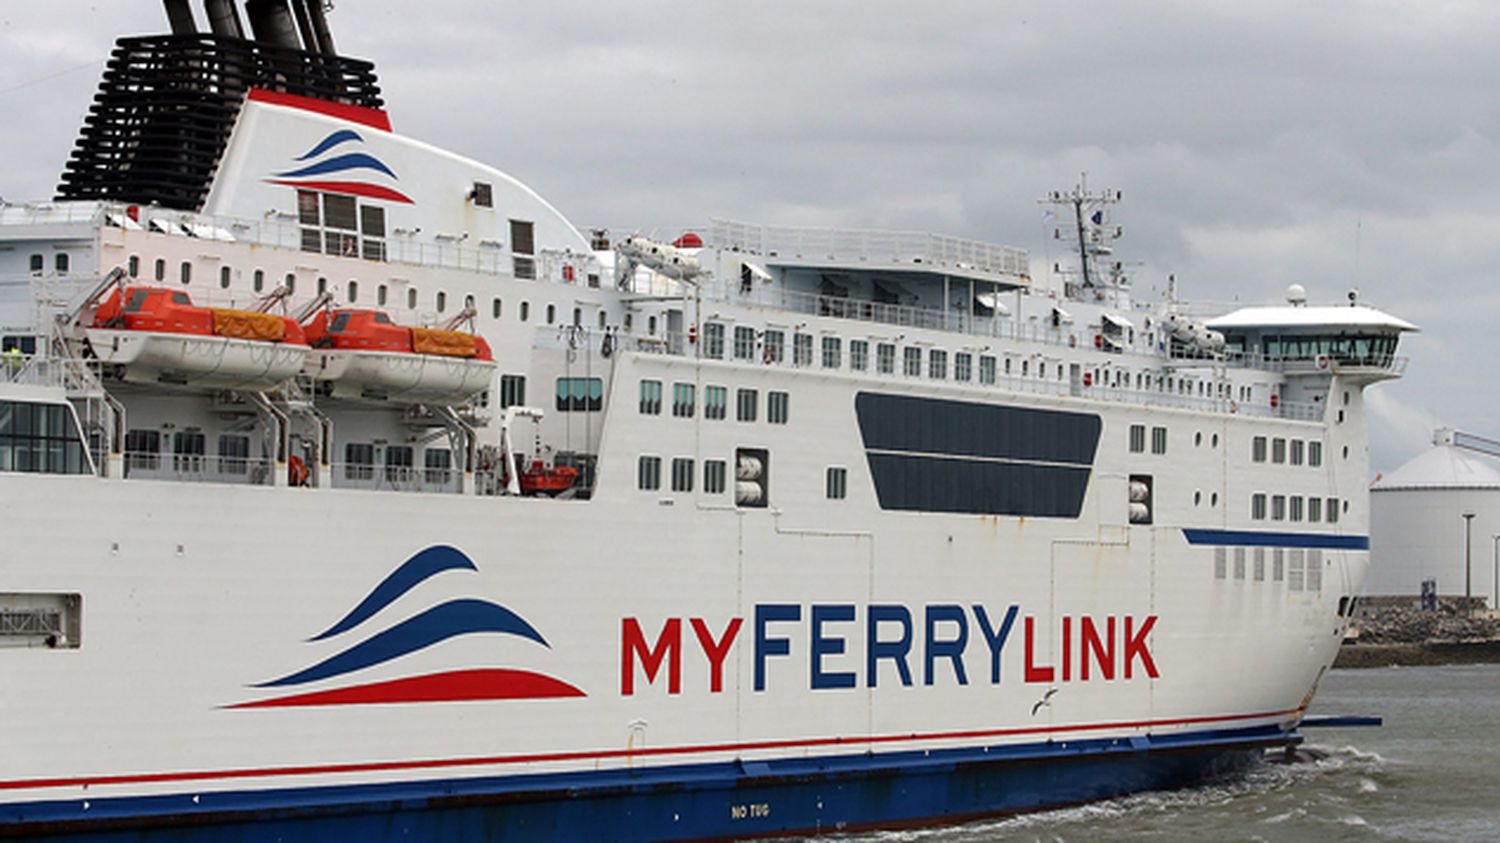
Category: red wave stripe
<point>488,684</point>
<point>372,117</point>
<point>352,188</point>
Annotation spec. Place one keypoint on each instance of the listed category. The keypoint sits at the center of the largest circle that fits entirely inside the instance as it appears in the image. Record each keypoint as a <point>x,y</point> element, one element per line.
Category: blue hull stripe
<point>690,801</point>
<point>1255,538</point>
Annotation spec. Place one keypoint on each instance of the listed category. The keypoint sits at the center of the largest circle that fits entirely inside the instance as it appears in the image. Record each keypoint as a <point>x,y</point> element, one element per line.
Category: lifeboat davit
<point>362,353</point>
<point>157,335</point>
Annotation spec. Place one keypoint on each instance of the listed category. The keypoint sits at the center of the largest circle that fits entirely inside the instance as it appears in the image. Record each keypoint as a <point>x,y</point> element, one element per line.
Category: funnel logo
<point>425,629</point>
<point>334,166</point>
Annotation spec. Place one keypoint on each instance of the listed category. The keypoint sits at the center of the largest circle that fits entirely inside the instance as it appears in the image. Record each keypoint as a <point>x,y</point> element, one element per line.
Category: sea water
<point>1432,772</point>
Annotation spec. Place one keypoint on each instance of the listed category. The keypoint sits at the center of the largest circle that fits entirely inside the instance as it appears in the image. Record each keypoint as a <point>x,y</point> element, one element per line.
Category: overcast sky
<point>1335,144</point>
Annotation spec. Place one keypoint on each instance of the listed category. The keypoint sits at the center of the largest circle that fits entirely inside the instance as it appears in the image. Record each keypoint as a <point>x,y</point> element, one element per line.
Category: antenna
<point>1092,228</point>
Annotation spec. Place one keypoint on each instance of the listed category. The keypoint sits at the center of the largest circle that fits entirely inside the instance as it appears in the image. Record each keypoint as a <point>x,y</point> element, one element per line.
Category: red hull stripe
<point>596,755</point>
<point>372,117</point>
<point>352,188</point>
<point>489,684</point>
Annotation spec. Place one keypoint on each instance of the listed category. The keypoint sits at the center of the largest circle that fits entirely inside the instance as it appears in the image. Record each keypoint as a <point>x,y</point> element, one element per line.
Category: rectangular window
<point>684,400</point>
<point>143,449</point>
<point>372,220</point>
<point>715,402</point>
<point>1258,449</point>
<point>833,350</point>
<point>398,462</point>
<point>911,365</point>
<point>1315,509</point>
<point>512,391</point>
<point>1294,569</point>
<point>650,398</point>
<point>439,465</point>
<point>885,358</point>
<point>1278,507</point>
<point>1278,564</point>
<point>648,473</point>
<point>483,194</point>
<point>1260,564</point>
<point>1239,563</point>
<point>523,247</point>
<point>1158,440</point>
<point>859,355</point>
<point>1221,563</point>
<point>778,405</point>
<point>713,477</point>
<point>682,474</point>
<point>802,349</point>
<point>1315,454</point>
<point>1137,439</point>
<point>1313,570</point>
<point>746,402</point>
<point>359,461</point>
<point>188,448</point>
<point>713,340</point>
<point>1258,506</point>
<point>1278,450</point>
<point>307,209</point>
<point>1333,511</point>
<point>580,395</point>
<point>234,453</point>
<point>775,346</point>
<point>987,370</point>
<point>1297,446</point>
<point>937,365</point>
<point>963,366</point>
<point>836,485</point>
<point>1296,509</point>
<point>744,342</point>
<point>339,212</point>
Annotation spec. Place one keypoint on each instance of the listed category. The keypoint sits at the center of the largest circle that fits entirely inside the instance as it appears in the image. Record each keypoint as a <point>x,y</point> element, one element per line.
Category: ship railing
<point>198,468</point>
<point>869,245</point>
<point>396,478</point>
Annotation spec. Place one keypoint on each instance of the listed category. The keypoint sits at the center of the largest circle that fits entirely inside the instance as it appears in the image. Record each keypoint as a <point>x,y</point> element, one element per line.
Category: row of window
<point>771,346</point>
<point>1138,439</point>
<point>41,438</point>
<point>1287,451</point>
<point>715,402</point>
<point>1301,568</point>
<point>1296,508</point>
<point>60,262</point>
<point>359,462</point>
<point>648,476</point>
<point>143,451</point>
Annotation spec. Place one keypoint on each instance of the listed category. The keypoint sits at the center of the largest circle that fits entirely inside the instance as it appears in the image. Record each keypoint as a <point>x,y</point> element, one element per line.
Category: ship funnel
<point>223,18</point>
<point>272,23</point>
<point>180,15</point>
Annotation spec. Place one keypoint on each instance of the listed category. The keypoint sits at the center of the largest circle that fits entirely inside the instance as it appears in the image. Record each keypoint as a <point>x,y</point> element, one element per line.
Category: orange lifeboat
<point>158,335</point>
<point>541,480</point>
<point>363,353</point>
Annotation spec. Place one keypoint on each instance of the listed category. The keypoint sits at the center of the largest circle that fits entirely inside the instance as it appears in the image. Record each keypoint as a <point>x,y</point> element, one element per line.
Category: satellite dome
<point>1297,295</point>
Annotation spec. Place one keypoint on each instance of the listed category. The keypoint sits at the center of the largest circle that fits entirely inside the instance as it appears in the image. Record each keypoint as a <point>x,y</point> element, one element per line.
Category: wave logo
<point>333,166</point>
<point>447,620</point>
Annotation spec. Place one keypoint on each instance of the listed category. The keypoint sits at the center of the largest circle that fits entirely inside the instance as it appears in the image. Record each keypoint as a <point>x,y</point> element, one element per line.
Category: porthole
<point>1213,499</point>
<point>1215,441</point>
<point>1197,498</point>
<point>1346,452</point>
<point>1198,439</point>
<point>411,298</point>
<point>224,277</point>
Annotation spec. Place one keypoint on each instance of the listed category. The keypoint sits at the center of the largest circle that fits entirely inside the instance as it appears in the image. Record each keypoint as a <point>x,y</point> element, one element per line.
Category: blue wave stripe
<point>339,164</point>
<point>428,563</point>
<point>341,136</point>
<point>1255,538</point>
<point>451,619</point>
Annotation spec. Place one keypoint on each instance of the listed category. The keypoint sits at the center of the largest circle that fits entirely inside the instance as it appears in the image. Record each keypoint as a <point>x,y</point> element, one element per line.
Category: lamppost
<point>1495,577</point>
<point>1468,562</point>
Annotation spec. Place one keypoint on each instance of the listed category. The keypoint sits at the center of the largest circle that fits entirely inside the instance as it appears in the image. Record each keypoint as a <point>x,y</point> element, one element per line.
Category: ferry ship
<point>353,492</point>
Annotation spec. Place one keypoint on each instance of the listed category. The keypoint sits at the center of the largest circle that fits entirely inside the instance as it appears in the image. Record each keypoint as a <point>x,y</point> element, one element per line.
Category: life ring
<point>1322,362</point>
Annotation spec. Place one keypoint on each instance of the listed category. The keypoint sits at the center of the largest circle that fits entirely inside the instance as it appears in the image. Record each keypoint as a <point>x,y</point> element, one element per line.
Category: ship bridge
<point>1353,341</point>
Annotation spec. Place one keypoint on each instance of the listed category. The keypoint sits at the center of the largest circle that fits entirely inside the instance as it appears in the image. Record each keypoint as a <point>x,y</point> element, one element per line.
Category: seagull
<point>1044,702</point>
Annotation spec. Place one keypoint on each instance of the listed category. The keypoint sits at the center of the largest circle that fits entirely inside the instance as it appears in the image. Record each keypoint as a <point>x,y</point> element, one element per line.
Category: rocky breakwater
<point>1398,631</point>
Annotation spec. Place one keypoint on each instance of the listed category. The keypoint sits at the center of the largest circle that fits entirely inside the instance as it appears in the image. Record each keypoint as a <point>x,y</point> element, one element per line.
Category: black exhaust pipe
<point>224,18</point>
<point>180,15</point>
<point>272,23</point>
<point>320,27</point>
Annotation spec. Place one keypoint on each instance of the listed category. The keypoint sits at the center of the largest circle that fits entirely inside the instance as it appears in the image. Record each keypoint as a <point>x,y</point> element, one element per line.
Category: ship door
<point>676,332</point>
<point>1075,379</point>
